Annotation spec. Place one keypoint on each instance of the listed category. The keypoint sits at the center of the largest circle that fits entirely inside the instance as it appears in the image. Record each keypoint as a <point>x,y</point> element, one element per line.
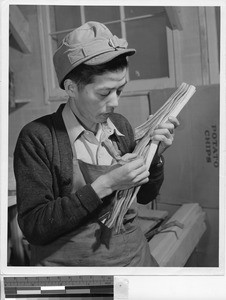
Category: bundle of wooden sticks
<point>147,148</point>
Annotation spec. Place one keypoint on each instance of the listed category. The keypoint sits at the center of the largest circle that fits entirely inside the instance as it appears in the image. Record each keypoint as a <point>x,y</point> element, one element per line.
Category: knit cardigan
<point>43,170</point>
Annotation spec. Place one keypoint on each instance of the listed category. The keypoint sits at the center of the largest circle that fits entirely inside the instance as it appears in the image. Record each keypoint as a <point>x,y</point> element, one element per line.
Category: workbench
<point>172,239</point>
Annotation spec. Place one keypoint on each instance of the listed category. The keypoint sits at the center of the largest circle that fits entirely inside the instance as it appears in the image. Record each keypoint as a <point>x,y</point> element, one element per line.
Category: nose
<point>113,100</point>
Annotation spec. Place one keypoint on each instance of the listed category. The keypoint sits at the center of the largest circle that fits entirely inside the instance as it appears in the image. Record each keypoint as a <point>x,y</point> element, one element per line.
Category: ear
<point>71,88</point>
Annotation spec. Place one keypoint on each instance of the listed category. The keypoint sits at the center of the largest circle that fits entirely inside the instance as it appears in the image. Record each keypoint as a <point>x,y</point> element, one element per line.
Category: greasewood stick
<point>147,148</point>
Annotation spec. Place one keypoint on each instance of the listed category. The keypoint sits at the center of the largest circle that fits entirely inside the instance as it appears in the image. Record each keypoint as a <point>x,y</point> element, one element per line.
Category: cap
<point>92,44</point>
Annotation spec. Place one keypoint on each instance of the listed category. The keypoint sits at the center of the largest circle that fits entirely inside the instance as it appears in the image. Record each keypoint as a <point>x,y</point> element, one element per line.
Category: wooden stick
<point>148,148</point>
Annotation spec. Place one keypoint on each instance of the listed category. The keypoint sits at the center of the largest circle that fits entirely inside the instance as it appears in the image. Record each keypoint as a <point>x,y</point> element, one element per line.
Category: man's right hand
<point>130,174</point>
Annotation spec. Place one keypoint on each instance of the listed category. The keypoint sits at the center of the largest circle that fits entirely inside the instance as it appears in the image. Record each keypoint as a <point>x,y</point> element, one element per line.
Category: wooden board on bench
<point>149,218</point>
<point>173,246</point>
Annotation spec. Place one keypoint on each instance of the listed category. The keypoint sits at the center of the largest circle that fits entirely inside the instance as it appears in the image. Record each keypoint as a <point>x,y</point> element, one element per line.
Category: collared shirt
<point>85,145</point>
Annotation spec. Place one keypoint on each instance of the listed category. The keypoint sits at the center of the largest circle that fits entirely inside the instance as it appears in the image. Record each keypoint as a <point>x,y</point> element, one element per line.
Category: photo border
<point>156,274</point>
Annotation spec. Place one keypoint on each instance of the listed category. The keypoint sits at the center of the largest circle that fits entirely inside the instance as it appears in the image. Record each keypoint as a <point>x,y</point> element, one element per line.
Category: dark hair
<point>84,74</point>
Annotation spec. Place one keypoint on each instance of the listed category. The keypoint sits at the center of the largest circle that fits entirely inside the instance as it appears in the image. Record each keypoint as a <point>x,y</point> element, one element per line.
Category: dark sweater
<point>43,169</point>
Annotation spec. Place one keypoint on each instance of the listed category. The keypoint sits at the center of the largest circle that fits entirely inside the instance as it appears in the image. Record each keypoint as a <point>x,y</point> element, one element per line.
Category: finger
<point>163,131</point>
<point>168,126</point>
<point>141,178</point>
<point>134,164</point>
<point>161,138</point>
<point>138,172</point>
<point>129,156</point>
<point>174,121</point>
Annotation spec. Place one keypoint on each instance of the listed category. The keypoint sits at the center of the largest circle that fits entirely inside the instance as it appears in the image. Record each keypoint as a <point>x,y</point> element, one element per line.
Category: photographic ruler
<point>59,287</point>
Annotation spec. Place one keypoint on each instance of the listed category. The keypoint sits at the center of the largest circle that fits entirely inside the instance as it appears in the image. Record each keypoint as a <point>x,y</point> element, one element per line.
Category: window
<point>146,28</point>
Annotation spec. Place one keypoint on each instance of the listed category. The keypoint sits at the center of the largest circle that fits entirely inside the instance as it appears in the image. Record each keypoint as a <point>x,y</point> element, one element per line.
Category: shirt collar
<point>75,129</point>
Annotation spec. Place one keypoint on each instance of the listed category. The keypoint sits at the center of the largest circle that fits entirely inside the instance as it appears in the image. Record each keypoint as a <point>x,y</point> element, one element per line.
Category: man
<point>68,164</point>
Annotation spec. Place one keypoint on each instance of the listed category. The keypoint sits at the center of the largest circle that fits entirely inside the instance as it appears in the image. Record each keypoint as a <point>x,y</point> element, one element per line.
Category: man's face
<point>98,99</point>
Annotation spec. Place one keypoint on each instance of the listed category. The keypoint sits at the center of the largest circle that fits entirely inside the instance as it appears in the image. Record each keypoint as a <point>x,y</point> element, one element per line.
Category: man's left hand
<point>164,133</point>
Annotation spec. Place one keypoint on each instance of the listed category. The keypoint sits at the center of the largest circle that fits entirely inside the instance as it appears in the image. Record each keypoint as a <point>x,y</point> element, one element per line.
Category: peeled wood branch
<point>146,148</point>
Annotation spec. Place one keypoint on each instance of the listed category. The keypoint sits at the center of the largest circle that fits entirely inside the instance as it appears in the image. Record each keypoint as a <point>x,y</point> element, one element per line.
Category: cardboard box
<point>192,162</point>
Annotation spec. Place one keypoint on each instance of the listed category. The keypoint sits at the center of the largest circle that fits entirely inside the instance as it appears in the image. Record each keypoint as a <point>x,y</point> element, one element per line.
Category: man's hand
<point>132,170</point>
<point>164,133</point>
<point>130,174</point>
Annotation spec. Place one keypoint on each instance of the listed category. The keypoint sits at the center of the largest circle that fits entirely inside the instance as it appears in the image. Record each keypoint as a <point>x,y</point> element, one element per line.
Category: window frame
<point>53,92</point>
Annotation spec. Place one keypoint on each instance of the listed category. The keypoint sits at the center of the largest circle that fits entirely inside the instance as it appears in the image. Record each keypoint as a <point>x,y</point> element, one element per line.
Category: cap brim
<point>108,56</point>
<point>99,59</point>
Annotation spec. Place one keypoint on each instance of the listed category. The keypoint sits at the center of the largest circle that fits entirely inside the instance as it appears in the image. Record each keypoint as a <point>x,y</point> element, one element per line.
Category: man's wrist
<point>158,161</point>
<point>101,186</point>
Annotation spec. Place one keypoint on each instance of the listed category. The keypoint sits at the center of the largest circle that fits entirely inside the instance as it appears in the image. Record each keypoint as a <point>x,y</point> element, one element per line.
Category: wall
<point>28,80</point>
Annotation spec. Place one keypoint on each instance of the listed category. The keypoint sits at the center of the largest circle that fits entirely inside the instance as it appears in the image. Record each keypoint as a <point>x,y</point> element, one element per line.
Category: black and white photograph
<point>113,147</point>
